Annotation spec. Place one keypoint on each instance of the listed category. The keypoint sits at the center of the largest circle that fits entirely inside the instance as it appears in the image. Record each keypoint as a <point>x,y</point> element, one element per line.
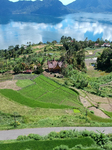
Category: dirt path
<point>13,134</point>
<point>10,84</point>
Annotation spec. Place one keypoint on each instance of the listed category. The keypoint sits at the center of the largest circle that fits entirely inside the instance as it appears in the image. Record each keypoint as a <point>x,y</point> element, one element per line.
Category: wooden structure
<point>54,66</point>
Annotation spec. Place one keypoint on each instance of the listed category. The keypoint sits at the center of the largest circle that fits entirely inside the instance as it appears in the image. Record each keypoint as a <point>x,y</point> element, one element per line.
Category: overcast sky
<point>65,2</point>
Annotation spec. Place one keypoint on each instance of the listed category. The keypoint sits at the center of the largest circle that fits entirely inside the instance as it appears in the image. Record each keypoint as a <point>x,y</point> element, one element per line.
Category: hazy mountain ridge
<point>91,6</point>
<point>49,7</point>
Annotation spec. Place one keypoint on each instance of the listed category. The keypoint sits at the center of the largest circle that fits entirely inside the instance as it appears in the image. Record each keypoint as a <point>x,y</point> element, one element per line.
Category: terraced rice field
<point>46,90</point>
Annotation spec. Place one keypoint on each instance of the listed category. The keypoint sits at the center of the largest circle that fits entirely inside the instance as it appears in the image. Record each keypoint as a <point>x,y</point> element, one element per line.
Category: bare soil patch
<point>38,51</point>
<point>95,98</point>
<point>98,112</point>
<point>106,107</point>
<point>10,84</point>
<point>39,46</point>
<point>88,100</point>
<point>85,102</point>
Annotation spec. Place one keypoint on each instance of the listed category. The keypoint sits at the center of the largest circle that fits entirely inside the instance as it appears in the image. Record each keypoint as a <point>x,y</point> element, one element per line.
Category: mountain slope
<point>91,5</point>
<point>46,7</point>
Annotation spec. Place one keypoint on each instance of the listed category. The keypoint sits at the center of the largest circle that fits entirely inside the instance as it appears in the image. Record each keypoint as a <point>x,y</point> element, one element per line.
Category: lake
<point>20,29</point>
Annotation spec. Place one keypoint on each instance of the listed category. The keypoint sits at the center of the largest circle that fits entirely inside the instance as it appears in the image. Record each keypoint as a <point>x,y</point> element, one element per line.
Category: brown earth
<point>39,46</point>
<point>98,112</point>
<point>10,84</point>
<point>90,100</point>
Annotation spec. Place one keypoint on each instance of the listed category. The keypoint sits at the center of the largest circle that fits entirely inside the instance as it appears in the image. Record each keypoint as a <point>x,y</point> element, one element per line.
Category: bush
<point>22,138</point>
<point>92,112</point>
<point>108,146</point>
<point>37,137</point>
<point>61,147</point>
<point>15,123</point>
<point>79,146</point>
<point>34,136</point>
<point>53,135</point>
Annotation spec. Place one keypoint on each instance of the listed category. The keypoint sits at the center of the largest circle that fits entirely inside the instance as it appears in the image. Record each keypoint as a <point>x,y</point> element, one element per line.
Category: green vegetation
<point>108,113</point>
<point>76,111</point>
<point>63,140</point>
<point>45,145</point>
<point>24,83</point>
<point>16,96</point>
<point>104,61</point>
<point>5,77</point>
<point>53,101</point>
<point>98,119</point>
<point>46,90</point>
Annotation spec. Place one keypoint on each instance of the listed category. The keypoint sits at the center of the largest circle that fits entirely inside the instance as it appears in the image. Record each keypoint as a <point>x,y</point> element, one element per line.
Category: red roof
<point>28,71</point>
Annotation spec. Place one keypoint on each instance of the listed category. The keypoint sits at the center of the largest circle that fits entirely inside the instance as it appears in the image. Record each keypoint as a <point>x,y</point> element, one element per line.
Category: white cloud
<point>65,2</point>
<point>76,27</point>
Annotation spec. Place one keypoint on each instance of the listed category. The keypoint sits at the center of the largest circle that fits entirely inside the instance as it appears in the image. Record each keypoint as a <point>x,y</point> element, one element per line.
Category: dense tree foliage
<point>75,54</point>
<point>104,61</point>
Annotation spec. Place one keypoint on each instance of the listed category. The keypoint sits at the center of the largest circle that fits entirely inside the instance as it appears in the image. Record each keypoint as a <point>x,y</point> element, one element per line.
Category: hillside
<point>49,7</point>
<point>91,6</point>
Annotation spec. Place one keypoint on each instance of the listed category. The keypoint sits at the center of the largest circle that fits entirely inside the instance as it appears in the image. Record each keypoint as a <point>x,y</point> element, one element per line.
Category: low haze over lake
<point>20,29</point>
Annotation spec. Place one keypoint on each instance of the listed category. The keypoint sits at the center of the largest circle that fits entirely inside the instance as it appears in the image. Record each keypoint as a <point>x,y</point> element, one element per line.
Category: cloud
<point>78,27</point>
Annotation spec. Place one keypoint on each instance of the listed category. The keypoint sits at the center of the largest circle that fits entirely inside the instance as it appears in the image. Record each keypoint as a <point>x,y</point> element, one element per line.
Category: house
<point>28,71</point>
<point>106,45</point>
<point>54,66</point>
<point>96,44</point>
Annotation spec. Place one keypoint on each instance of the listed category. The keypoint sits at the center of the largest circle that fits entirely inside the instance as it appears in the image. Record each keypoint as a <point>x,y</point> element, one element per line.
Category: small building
<point>106,45</point>
<point>27,71</point>
<point>96,44</point>
<point>54,66</point>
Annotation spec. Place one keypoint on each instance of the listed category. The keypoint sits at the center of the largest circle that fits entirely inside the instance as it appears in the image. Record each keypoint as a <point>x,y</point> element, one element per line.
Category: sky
<point>65,2</point>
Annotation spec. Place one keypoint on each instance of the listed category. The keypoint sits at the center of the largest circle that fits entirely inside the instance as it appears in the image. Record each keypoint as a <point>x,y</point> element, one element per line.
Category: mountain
<point>91,6</point>
<point>5,7</point>
<point>45,7</point>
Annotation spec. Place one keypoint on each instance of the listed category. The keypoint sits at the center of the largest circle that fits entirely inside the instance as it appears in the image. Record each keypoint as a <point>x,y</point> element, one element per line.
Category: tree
<point>16,69</point>
<point>104,61</point>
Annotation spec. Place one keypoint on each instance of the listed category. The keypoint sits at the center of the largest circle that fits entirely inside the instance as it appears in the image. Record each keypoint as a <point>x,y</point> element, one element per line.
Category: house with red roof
<point>28,71</point>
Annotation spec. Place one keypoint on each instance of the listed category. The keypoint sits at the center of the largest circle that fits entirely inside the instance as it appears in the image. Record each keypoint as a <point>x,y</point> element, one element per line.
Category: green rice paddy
<point>48,91</point>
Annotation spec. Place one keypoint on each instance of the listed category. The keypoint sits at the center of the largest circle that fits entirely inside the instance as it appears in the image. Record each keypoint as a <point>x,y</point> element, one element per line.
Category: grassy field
<point>46,145</point>
<point>24,83</point>
<point>5,77</point>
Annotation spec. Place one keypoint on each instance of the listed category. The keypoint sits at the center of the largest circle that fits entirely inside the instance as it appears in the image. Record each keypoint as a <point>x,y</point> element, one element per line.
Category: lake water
<point>20,29</point>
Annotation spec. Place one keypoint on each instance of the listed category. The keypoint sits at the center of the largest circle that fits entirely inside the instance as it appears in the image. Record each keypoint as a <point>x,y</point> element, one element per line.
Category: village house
<point>105,45</point>
<point>54,66</point>
<point>27,71</point>
<point>96,44</point>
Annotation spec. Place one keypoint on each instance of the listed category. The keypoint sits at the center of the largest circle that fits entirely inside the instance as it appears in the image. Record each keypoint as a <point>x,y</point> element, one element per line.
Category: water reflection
<point>35,29</point>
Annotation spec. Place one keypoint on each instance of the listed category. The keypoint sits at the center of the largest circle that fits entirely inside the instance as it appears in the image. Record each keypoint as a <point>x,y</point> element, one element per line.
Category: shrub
<point>37,137</point>
<point>108,146</point>
<point>85,133</point>
<point>53,135</point>
<point>92,112</point>
<point>61,147</point>
<point>22,138</point>
<point>15,123</point>
<point>63,134</point>
<point>79,146</point>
